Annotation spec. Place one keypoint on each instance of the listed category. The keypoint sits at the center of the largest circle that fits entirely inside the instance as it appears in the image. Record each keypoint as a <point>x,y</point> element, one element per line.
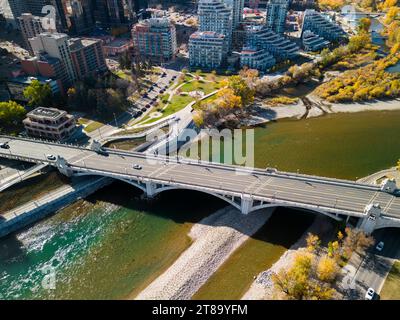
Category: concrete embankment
<point>35,210</point>
<point>215,238</point>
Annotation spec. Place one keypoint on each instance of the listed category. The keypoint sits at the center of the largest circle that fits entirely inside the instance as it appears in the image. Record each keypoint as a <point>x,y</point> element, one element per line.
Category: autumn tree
<point>313,242</point>
<point>300,281</point>
<point>241,89</point>
<point>327,269</point>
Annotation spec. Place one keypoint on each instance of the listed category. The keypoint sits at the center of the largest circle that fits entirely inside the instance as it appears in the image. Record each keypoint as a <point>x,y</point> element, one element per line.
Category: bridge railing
<point>220,190</point>
<point>220,166</point>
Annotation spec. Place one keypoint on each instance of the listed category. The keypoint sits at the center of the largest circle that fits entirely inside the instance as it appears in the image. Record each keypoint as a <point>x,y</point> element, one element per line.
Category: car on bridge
<point>137,167</point>
<point>4,145</point>
<point>51,157</point>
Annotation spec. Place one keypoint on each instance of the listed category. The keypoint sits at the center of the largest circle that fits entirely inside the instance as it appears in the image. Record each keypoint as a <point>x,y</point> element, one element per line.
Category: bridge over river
<point>247,189</point>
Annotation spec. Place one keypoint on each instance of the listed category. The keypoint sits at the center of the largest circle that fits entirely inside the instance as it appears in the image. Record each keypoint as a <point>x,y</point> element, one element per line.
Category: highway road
<point>323,194</point>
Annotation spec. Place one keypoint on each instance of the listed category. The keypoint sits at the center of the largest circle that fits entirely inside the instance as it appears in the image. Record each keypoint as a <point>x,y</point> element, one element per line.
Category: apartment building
<point>276,15</point>
<point>87,56</point>
<point>261,37</point>
<point>258,59</point>
<point>30,27</point>
<point>155,38</point>
<point>322,26</point>
<point>207,50</point>
<point>313,42</point>
<point>55,45</point>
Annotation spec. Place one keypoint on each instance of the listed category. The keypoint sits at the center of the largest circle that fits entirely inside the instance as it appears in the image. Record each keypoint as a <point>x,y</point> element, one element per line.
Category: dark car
<point>4,145</point>
<point>147,106</point>
<point>144,109</point>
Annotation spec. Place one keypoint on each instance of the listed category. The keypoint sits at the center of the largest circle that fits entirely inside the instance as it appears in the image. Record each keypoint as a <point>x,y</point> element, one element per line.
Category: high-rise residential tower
<point>276,15</point>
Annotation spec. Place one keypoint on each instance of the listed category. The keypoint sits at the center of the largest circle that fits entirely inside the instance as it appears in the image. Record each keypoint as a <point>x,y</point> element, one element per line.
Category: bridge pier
<point>246,204</point>
<point>151,189</point>
<point>373,213</point>
<point>63,167</point>
<point>389,186</point>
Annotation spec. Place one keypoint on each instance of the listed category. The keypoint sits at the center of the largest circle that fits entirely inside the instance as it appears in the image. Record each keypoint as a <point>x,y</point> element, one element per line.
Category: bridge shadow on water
<point>284,227</point>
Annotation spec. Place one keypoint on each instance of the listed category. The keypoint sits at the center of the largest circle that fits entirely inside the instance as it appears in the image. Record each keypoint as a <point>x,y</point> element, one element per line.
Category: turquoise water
<point>107,250</point>
<point>114,244</point>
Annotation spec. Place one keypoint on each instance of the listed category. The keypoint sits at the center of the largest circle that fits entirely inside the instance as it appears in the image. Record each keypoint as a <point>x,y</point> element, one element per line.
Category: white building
<point>55,45</point>
<point>281,48</point>
<point>322,26</point>
<point>215,16</point>
<point>256,59</point>
<point>313,42</point>
<point>237,11</point>
<point>207,50</point>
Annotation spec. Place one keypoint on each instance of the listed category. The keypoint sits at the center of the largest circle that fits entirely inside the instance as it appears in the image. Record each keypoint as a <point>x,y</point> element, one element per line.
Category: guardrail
<point>220,190</point>
<point>242,169</point>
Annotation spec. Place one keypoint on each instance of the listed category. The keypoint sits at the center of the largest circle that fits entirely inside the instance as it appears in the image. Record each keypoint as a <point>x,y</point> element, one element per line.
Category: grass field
<point>93,126</point>
<point>206,87</point>
<point>391,288</point>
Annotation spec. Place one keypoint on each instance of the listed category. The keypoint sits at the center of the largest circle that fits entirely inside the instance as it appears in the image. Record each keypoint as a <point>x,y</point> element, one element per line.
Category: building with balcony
<point>207,50</point>
<point>261,37</point>
<point>276,15</point>
<point>55,45</point>
<point>49,123</point>
<point>260,59</point>
<point>30,27</point>
<point>87,56</point>
<point>313,42</point>
<point>216,16</point>
<point>155,38</point>
<point>322,26</point>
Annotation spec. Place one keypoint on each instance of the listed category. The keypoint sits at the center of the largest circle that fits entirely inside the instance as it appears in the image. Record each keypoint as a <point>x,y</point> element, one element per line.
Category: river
<point>113,244</point>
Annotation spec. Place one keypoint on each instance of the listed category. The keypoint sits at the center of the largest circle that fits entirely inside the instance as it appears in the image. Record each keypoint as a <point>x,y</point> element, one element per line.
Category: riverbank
<point>262,287</point>
<point>214,238</point>
<point>315,107</point>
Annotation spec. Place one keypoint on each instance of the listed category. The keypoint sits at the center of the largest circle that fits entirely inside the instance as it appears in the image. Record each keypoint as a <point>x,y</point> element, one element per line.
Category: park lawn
<point>210,77</point>
<point>83,121</point>
<point>177,103</point>
<point>93,126</point>
<point>206,87</point>
<point>391,288</point>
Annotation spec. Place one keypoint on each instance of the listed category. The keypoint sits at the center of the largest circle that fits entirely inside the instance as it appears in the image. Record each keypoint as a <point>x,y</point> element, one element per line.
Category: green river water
<point>113,244</point>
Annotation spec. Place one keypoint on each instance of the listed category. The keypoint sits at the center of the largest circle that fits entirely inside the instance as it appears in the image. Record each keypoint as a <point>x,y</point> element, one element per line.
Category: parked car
<point>137,167</point>
<point>369,295</point>
<point>144,109</point>
<point>379,246</point>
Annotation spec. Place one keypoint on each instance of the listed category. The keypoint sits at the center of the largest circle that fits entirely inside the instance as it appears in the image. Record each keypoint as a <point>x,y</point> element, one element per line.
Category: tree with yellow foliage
<point>327,269</point>
<point>313,242</point>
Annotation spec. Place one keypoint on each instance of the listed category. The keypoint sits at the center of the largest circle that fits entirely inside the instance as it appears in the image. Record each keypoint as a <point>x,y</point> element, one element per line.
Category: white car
<point>137,167</point>
<point>51,157</point>
<point>369,295</point>
<point>379,246</point>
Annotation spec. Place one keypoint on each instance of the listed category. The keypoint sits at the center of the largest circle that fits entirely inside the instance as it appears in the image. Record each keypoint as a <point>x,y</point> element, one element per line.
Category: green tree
<point>38,94</point>
<point>11,115</point>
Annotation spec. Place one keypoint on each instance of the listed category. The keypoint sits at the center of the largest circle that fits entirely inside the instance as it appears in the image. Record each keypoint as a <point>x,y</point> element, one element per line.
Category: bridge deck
<point>342,195</point>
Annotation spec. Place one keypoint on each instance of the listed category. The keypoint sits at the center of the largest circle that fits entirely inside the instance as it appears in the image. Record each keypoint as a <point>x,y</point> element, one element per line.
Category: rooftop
<point>48,113</point>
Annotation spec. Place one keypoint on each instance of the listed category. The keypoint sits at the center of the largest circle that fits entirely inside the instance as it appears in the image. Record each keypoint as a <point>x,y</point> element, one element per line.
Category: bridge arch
<point>277,205</point>
<point>131,182</point>
<point>220,196</point>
